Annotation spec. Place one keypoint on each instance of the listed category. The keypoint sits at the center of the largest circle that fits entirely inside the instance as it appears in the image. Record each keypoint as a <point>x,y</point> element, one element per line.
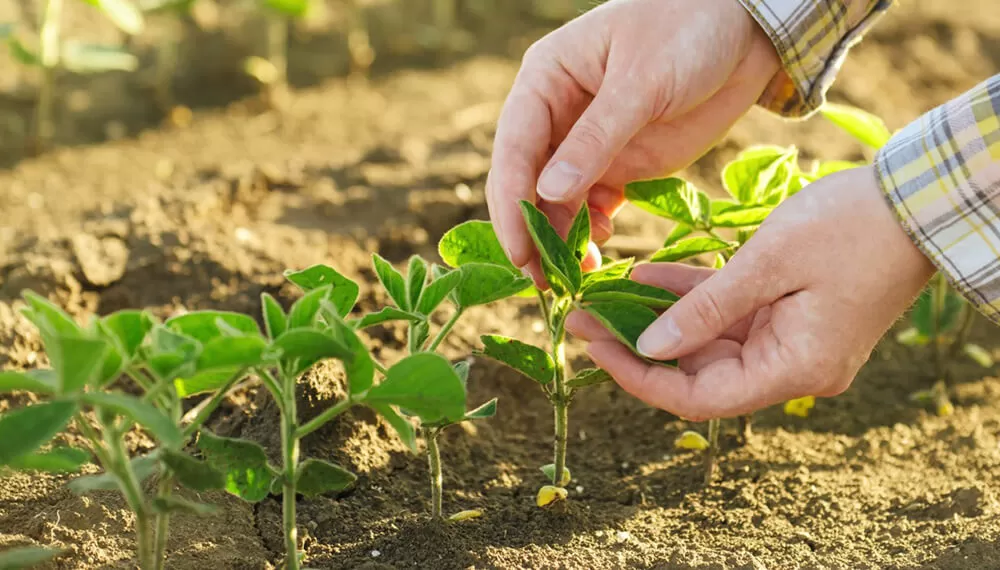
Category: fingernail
<point>659,338</point>
<point>558,180</point>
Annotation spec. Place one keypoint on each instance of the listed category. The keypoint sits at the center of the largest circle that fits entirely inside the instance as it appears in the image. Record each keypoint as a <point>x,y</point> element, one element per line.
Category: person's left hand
<point>796,312</point>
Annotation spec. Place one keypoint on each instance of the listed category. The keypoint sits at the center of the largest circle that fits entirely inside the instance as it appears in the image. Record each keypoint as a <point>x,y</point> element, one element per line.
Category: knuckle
<point>590,135</point>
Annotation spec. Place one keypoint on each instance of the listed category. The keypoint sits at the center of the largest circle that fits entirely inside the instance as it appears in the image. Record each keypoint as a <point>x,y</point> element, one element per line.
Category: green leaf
<point>175,504</point>
<point>690,247</point>
<point>158,6</point>
<point>628,290</point>
<point>130,328</point>
<point>22,54</point>
<point>483,283</point>
<point>867,128</point>
<point>680,231</point>
<point>625,320</point>
<point>316,477</point>
<point>359,365</point>
<point>171,354</point>
<point>588,377</point>
<point>424,384</point>
<point>50,319</point>
<point>232,352</point>
<point>143,413</point>
<point>609,271</point>
<point>462,369</point>
<point>304,311</point>
<point>923,316</point>
<point>123,13</point>
<point>474,241</point>
<point>203,382</point>
<point>550,472</point>
<point>402,426</point>
<point>24,430</point>
<point>77,361</point>
<point>192,473</point>
<point>435,293</point>
<point>79,57</point>
<point>344,294</point>
<point>561,267</point>
<point>289,8</point>
<point>760,175</point>
<point>387,314</point>
<point>578,238</point>
<point>14,381</point>
<point>27,556</point>
<point>416,278</point>
<point>301,348</point>
<point>727,214</point>
<point>672,198</point>
<point>827,167</point>
<point>143,467</point>
<point>392,281</point>
<point>529,360</point>
<point>487,410</point>
<point>243,462</point>
<point>203,326</point>
<point>275,320</point>
<point>58,460</point>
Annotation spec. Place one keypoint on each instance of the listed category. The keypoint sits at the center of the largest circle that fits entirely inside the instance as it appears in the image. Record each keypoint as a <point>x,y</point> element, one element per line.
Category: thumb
<point>610,121</point>
<point>744,285</point>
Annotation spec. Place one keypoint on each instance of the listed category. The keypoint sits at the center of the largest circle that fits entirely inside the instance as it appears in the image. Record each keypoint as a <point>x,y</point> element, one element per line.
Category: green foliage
<point>27,556</point>
<point>426,385</point>
<point>629,291</point>
<point>529,360</point>
<point>867,128</point>
<point>343,293</point>
<point>243,463</point>
<point>316,477</point>
<point>672,198</point>
<point>123,13</point>
<point>560,263</point>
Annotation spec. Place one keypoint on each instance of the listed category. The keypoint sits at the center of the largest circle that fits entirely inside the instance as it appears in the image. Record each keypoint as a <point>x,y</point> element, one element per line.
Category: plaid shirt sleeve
<point>812,38</point>
<point>941,176</point>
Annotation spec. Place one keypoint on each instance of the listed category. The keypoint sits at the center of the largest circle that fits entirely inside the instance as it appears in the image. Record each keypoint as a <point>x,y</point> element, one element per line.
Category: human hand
<point>796,312</point>
<point>632,89</point>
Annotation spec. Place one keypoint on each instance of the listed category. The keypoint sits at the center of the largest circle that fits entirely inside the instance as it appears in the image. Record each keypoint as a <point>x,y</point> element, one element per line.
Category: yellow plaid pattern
<point>941,176</point>
<point>812,38</point>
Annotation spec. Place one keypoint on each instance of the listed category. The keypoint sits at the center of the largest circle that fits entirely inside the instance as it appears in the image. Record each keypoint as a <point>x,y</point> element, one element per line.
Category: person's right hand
<point>630,90</point>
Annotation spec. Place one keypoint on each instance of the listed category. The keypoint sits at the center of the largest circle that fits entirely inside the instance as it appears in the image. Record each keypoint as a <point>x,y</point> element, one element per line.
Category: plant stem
<point>164,490</point>
<point>712,451</point>
<point>937,311</point>
<point>746,428</point>
<point>212,404</point>
<point>277,53</point>
<point>166,62</point>
<point>966,320</point>
<point>434,464</point>
<point>560,399</point>
<point>322,419</point>
<point>130,488</point>
<point>379,366</point>
<point>49,44</point>
<point>290,458</point>
<point>445,330</point>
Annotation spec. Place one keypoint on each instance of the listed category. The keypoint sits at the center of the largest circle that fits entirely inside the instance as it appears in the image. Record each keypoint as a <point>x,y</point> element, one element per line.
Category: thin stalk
<point>272,385</point>
<point>166,63</point>
<point>937,310</point>
<point>712,451</point>
<point>379,366</point>
<point>966,320</point>
<point>445,330</point>
<point>211,406</point>
<point>49,55</point>
<point>746,428</point>
<point>560,400</point>
<point>290,458</point>
<point>434,464</point>
<point>163,491</point>
<point>277,51</point>
<point>130,488</point>
<point>322,419</point>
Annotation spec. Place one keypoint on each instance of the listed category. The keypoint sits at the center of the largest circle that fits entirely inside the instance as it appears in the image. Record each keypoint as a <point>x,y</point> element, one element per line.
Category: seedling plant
<point>626,307</point>
<point>940,317</point>
<point>48,53</point>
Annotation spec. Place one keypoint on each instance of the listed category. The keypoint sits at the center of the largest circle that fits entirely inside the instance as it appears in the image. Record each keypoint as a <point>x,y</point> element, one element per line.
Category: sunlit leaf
<point>424,384</point>
<point>244,463</point>
<point>627,321</point>
<point>343,293</point>
<point>275,319</point>
<point>672,198</point>
<point>437,291</point>
<point>316,477</point>
<point>123,13</point>
<point>473,242</point>
<point>203,326</point>
<point>550,472</point>
<point>80,57</point>
<point>23,430</point>
<point>732,215</point>
<point>487,410</point>
<point>867,128</point>
<point>588,377</point>
<point>690,247</point>
<point>483,283</point>
<point>629,290</point>
<point>560,265</point>
<point>387,314</point>
<point>392,280</point>
<point>529,360</point>
<point>578,238</point>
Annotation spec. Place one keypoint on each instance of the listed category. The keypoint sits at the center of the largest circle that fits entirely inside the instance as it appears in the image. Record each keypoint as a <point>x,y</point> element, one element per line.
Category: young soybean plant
<point>940,317</point>
<point>87,362</point>
<point>624,306</point>
<point>53,55</point>
<point>417,296</point>
<point>758,180</point>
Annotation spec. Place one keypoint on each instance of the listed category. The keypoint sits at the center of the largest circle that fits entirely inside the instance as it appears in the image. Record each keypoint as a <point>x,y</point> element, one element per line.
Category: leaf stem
<point>324,418</point>
<point>272,385</point>
<point>434,464</point>
<point>445,330</point>
<point>213,403</point>
<point>379,366</point>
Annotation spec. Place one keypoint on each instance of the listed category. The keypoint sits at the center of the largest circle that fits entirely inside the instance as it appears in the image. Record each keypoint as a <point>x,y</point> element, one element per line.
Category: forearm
<point>812,38</point>
<point>941,177</point>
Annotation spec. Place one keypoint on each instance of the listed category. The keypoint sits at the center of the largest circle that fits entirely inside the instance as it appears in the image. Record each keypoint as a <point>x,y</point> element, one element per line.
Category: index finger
<point>520,149</point>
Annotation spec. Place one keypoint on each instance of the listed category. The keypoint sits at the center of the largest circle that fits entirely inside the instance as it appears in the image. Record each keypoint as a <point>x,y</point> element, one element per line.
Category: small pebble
<point>623,535</point>
<point>463,192</point>
<point>243,235</point>
<point>376,554</point>
<point>537,326</point>
<point>579,488</point>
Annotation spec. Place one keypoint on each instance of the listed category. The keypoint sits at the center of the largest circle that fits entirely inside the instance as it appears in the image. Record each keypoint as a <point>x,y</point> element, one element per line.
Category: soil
<point>132,212</point>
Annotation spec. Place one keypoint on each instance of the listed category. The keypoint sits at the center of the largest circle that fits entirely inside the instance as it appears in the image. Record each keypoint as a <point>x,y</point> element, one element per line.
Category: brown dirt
<point>209,216</point>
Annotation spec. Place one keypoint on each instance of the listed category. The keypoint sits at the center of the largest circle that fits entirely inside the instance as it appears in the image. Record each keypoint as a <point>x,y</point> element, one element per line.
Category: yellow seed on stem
<point>691,440</point>
<point>550,494</point>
